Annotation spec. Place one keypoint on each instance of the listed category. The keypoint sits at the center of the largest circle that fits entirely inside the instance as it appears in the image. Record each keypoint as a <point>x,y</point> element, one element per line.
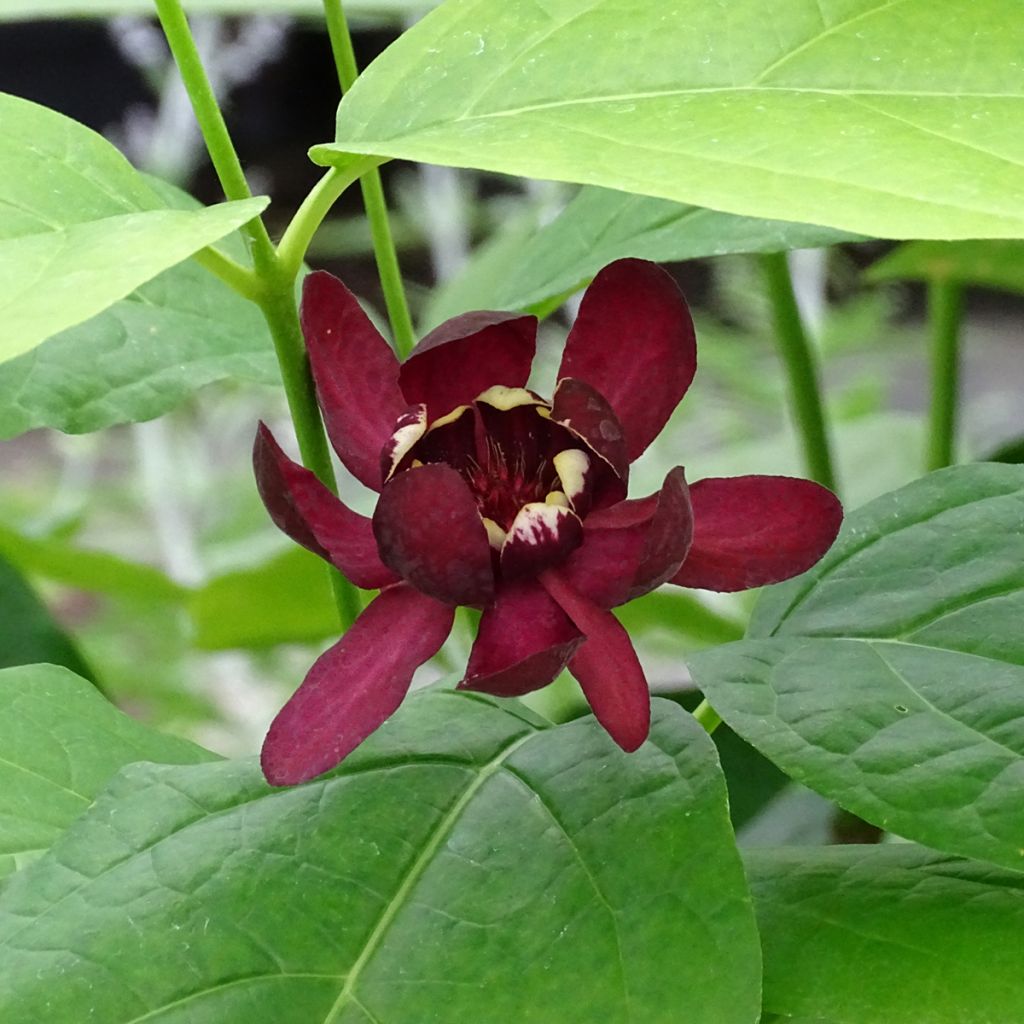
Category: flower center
<point>506,480</point>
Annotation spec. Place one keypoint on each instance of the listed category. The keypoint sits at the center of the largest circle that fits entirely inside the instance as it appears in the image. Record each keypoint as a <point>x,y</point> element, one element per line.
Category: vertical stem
<point>373,193</point>
<point>707,717</point>
<point>798,358</point>
<point>945,309</point>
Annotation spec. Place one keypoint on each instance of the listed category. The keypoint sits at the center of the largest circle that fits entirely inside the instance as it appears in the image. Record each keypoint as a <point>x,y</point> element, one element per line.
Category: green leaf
<point>871,116</point>
<point>891,676</point>
<point>464,865</point>
<point>994,263</point>
<point>286,600</point>
<point>144,354</point>
<point>600,226</point>
<point>96,571</point>
<point>80,228</point>
<point>28,633</point>
<point>60,743</point>
<point>888,933</point>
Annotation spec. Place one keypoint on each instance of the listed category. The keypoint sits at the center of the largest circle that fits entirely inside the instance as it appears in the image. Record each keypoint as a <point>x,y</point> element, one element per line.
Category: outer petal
<point>428,531</point>
<point>541,535</point>
<point>633,547</point>
<point>466,355</point>
<point>588,414</point>
<point>356,375</point>
<point>753,530</point>
<point>311,515</point>
<point>524,641</point>
<point>633,342</point>
<point>355,686</point>
<point>606,667</point>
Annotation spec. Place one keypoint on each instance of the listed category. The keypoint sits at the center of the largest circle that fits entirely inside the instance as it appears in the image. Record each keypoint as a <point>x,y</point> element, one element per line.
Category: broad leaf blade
<point>463,864</point>
<point>891,677</point>
<point>888,933</point>
<point>865,115</point>
<point>60,743</point>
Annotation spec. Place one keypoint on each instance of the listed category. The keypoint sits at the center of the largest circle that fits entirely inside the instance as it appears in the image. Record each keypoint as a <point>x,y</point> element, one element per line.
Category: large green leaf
<point>991,263</point>
<point>601,225</point>
<point>28,633</point>
<point>463,866</point>
<point>875,116</point>
<point>888,933</point>
<point>80,228</point>
<point>891,676</point>
<point>60,743</point>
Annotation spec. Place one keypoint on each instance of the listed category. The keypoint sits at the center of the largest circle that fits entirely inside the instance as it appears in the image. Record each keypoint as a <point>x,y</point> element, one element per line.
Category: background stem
<point>945,308</point>
<point>373,194</point>
<point>801,369</point>
<point>707,717</point>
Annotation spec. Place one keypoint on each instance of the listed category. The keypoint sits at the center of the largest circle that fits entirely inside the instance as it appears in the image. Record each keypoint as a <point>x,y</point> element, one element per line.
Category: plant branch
<point>945,310</point>
<point>234,275</point>
<point>707,717</point>
<point>373,193</point>
<point>801,369</point>
<point>211,120</point>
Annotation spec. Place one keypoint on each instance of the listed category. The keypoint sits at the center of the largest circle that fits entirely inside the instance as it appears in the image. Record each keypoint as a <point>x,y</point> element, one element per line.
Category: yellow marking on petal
<point>405,437</point>
<point>557,498</point>
<point>545,411</point>
<point>416,463</point>
<point>505,398</point>
<point>495,534</point>
<point>572,466</point>
<point>448,417</point>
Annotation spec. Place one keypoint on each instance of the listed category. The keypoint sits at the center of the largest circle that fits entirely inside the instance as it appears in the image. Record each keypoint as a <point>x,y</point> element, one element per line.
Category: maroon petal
<point>606,666</point>
<point>587,414</point>
<point>750,531</point>
<point>430,533</point>
<point>633,547</point>
<point>633,342</point>
<point>523,642</point>
<point>354,686</point>
<point>311,515</point>
<point>541,535</point>
<point>356,375</point>
<point>466,355</point>
<point>408,429</point>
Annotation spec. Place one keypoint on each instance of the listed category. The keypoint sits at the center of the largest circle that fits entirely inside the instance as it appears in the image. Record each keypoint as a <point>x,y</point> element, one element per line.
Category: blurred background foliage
<point>138,553</point>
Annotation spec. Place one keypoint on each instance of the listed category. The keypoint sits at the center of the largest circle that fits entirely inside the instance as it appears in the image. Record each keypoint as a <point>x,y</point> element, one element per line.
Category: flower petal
<point>633,547</point>
<point>408,429</point>
<point>355,685</point>
<point>430,533</point>
<point>312,516</point>
<point>524,641</point>
<point>750,531</point>
<point>606,666</point>
<point>588,414</point>
<point>466,355</point>
<point>633,342</point>
<point>541,535</point>
<point>356,375</point>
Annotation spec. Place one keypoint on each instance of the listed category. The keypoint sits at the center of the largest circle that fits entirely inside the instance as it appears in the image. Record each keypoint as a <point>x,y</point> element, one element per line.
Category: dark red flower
<point>493,497</point>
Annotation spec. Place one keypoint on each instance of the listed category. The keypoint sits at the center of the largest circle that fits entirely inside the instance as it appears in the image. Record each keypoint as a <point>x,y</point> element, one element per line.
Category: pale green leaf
<point>990,263</point>
<point>875,116</point>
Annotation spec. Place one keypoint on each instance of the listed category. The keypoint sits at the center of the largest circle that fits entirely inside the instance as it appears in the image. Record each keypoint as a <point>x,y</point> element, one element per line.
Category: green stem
<point>373,193</point>
<point>707,717</point>
<point>799,361</point>
<point>211,120</point>
<point>945,309</point>
<point>233,274</point>
<point>291,250</point>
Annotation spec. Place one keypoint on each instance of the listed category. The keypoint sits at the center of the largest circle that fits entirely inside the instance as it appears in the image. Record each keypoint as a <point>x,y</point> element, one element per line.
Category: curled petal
<point>354,686</point>
<point>633,341</point>
<point>633,547</point>
<point>356,375</point>
<point>428,531</point>
<point>541,535</point>
<point>450,439</point>
<point>407,430</point>
<point>312,516</point>
<point>466,355</point>
<point>606,666</point>
<point>750,531</point>
<point>589,416</point>
<point>524,641</point>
